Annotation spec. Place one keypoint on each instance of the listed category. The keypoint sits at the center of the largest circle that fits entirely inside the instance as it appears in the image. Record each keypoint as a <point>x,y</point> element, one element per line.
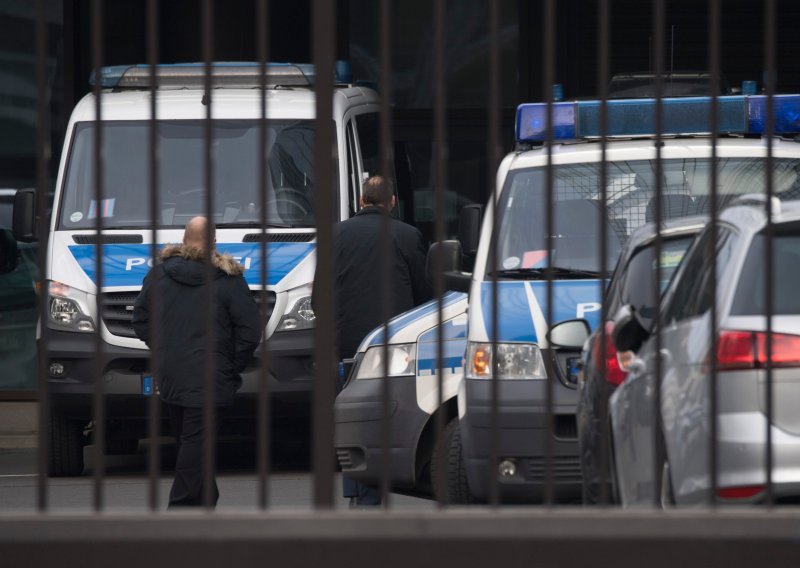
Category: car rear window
<point>750,298</point>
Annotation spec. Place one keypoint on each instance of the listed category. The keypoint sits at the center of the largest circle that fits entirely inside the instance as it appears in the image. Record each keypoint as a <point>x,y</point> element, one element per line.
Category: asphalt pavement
<point>126,485</point>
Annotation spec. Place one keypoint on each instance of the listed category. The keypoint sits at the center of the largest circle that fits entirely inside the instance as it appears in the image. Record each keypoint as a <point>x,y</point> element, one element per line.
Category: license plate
<point>148,385</point>
<point>574,368</point>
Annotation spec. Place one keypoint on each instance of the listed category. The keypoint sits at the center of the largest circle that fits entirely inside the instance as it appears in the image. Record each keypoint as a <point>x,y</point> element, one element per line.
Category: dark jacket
<point>357,275</point>
<point>183,330</point>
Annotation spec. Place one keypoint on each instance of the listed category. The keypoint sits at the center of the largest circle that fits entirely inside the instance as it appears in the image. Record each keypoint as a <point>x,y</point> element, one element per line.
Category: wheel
<point>65,450</point>
<point>447,468</point>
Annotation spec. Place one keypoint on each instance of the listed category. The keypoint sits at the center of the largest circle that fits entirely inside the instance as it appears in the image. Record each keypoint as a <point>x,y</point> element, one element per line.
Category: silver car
<point>663,455</point>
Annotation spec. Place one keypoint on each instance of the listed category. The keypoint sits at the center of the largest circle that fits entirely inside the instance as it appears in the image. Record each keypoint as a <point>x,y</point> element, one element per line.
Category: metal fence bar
<point>99,421</point>
<point>602,88</point>
<point>263,436</point>
<point>209,426</point>
<point>154,403</point>
<point>549,21</point>
<point>770,33</point>
<point>714,38</point>
<point>43,228</point>
<point>658,34</point>
<point>385,278</point>
<point>324,350</point>
<point>440,161</point>
<point>493,151</point>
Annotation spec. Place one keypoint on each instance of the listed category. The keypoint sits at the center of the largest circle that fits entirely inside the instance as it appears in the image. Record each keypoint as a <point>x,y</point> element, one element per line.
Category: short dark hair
<point>377,190</point>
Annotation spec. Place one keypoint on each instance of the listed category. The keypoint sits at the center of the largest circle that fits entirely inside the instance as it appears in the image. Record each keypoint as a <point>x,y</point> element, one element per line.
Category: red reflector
<point>745,492</point>
<point>614,374</point>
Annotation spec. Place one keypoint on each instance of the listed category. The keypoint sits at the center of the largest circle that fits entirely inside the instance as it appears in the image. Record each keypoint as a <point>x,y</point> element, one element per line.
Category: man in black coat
<point>357,258</point>
<point>183,283</point>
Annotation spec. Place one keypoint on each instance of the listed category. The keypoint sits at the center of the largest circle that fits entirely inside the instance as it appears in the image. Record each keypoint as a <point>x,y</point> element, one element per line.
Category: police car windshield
<point>630,193</point>
<point>181,174</point>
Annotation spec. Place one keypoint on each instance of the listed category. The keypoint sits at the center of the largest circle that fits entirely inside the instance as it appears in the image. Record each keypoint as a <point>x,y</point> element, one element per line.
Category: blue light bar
<point>636,117</point>
<point>246,74</point>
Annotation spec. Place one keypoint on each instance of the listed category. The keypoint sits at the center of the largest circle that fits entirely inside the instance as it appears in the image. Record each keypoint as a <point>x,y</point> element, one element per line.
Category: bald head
<point>195,233</point>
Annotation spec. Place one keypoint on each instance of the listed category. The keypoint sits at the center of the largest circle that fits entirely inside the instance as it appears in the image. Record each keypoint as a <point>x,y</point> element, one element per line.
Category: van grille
<point>118,310</point>
<point>566,469</point>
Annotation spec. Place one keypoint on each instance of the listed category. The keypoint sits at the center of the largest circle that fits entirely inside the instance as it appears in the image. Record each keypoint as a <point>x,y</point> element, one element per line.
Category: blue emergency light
<point>741,114</point>
<point>231,74</point>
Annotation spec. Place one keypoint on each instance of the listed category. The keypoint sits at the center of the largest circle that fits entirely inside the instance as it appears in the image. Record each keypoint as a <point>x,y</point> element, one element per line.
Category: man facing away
<point>183,283</point>
<point>357,257</point>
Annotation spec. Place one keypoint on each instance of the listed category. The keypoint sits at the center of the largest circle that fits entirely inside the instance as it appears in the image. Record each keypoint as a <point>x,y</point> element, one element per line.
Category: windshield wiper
<point>559,273</point>
<point>250,224</point>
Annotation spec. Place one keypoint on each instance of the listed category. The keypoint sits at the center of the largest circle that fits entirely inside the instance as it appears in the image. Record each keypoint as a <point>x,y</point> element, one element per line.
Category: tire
<point>448,473</point>
<point>65,449</point>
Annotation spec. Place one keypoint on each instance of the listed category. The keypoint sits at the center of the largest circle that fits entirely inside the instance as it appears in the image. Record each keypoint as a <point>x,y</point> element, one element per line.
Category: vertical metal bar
<point>153,423</point>
<point>42,226</point>
<point>263,439</point>
<point>658,35</point>
<point>385,279</point>
<point>99,393</point>
<point>602,85</point>
<point>324,13</point>
<point>440,157</point>
<point>714,48</point>
<point>549,20</point>
<point>493,163</point>
<point>770,33</point>
<point>209,426</point>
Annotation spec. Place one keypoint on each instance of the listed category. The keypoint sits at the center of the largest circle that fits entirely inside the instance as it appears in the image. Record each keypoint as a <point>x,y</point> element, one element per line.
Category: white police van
<point>125,214</point>
<point>531,348</point>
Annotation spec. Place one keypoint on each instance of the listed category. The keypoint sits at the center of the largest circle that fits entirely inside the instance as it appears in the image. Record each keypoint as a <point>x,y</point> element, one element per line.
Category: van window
<point>353,184</point>
<point>181,148</point>
<point>750,299</point>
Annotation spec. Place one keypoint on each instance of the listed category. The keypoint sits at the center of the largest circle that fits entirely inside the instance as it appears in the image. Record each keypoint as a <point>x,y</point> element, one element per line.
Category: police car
<point>72,267</point>
<point>537,343</point>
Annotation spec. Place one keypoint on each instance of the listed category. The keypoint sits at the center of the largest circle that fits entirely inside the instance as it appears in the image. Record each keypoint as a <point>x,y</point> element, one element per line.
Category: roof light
<point>241,74</point>
<point>636,117</point>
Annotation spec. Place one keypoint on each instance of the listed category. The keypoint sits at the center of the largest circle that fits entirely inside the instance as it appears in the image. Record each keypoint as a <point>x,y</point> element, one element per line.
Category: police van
<point>537,342</point>
<point>124,211</point>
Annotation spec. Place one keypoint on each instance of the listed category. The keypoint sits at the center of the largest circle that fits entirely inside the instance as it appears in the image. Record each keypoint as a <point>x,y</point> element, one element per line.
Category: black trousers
<point>189,431</point>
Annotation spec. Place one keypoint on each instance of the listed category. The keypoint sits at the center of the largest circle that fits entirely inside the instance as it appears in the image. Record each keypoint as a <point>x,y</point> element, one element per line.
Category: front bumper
<point>359,431</point>
<point>290,376</point>
<point>522,438</point>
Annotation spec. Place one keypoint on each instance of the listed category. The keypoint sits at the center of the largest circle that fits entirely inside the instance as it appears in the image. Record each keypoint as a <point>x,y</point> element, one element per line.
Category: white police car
<point>72,279</point>
<point>536,343</point>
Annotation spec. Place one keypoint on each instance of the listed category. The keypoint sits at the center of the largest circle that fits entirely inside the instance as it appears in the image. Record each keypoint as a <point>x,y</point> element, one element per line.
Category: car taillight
<point>745,492</point>
<point>739,350</point>
<point>616,363</point>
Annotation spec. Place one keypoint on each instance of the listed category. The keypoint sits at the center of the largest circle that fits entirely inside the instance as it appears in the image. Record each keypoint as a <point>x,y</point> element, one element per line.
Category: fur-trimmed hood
<point>224,262</point>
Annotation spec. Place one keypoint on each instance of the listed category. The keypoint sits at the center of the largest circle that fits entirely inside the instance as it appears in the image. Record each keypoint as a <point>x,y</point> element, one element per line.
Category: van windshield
<point>630,193</point>
<point>181,174</point>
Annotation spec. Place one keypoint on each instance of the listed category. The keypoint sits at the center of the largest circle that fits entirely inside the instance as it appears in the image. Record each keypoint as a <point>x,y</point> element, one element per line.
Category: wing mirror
<point>569,334</point>
<point>629,331</point>
<point>449,258</point>
<point>24,216</point>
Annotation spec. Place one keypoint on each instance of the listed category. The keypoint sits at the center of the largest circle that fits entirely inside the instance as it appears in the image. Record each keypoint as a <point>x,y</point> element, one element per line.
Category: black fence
<point>555,535</point>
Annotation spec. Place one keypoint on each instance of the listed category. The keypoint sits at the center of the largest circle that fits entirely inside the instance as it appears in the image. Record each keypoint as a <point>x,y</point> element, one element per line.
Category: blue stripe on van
<point>412,316</point>
<point>127,265</point>
<point>515,321</point>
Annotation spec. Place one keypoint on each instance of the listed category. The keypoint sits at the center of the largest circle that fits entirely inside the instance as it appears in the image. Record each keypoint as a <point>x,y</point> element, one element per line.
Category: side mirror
<point>629,334</point>
<point>8,252</point>
<point>23,224</point>
<point>569,334</point>
<point>469,228</point>
<point>449,256</point>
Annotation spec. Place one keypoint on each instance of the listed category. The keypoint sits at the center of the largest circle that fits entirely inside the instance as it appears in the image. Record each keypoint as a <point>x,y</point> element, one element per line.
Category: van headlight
<point>402,361</point>
<point>65,309</point>
<point>301,316</point>
<point>514,361</point>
